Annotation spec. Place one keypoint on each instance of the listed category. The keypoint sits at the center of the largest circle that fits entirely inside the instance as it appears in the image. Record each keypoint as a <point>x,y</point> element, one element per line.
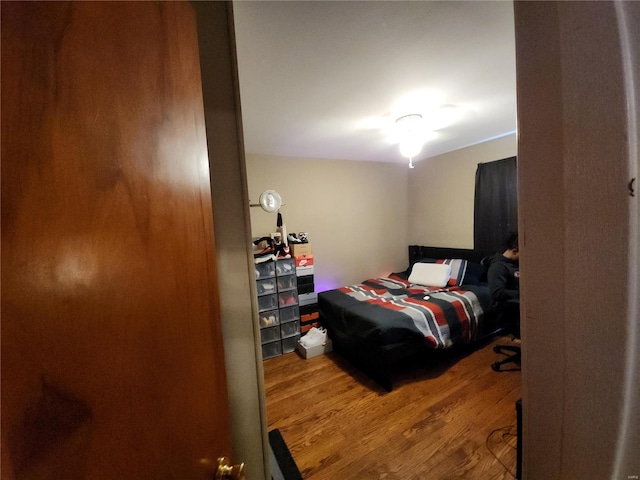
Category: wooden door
<point>112,362</point>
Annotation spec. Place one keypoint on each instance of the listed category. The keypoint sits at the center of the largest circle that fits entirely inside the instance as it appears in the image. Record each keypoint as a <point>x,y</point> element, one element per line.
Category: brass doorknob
<point>226,472</point>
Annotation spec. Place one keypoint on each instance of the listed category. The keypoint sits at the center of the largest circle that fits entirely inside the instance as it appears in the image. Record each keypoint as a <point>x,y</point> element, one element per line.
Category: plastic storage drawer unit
<point>266,286</point>
<point>289,344</point>
<point>289,328</point>
<point>289,313</point>
<point>288,298</point>
<point>269,318</point>
<point>269,334</point>
<point>272,349</point>
<point>265,270</point>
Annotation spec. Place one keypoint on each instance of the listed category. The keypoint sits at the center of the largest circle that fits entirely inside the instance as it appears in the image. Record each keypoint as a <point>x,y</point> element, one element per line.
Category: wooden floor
<point>450,421</point>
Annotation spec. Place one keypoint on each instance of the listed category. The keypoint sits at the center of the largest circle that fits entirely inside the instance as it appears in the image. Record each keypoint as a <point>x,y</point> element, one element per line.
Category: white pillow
<point>430,274</point>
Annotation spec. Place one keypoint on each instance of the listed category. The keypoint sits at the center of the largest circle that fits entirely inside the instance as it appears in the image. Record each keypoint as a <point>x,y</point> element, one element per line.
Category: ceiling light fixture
<point>411,135</point>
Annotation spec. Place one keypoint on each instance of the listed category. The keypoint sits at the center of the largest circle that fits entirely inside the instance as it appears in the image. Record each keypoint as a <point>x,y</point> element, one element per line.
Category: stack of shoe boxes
<point>279,314</point>
<point>307,297</point>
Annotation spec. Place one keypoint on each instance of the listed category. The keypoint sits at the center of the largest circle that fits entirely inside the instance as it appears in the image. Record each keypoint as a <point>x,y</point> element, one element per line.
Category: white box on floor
<point>316,350</point>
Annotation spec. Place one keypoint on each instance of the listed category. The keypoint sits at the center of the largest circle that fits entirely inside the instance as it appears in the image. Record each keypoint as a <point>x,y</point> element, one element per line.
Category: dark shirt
<point>504,279</point>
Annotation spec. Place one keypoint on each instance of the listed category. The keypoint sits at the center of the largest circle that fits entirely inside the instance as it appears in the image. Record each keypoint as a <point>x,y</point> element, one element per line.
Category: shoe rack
<point>278,309</point>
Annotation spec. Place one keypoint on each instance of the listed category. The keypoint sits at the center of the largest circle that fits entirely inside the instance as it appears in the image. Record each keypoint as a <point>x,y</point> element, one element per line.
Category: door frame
<point>232,227</point>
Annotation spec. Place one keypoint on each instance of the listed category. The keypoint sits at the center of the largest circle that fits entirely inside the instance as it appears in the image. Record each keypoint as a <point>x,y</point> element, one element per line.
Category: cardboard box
<point>316,350</point>
<point>304,271</point>
<point>307,298</point>
<point>309,309</point>
<point>304,279</point>
<point>300,249</point>
<point>304,288</point>
<point>305,327</point>
<point>309,317</point>
<point>303,260</point>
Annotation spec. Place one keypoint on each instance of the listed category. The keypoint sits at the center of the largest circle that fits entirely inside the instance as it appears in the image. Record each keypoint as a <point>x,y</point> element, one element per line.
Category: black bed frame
<point>416,252</point>
<point>378,362</point>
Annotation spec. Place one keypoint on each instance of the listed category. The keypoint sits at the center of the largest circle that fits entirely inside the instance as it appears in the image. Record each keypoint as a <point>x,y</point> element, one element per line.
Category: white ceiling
<point>317,78</point>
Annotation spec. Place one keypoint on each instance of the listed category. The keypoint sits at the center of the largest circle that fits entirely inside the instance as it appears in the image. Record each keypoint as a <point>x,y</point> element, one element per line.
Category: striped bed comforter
<point>390,310</point>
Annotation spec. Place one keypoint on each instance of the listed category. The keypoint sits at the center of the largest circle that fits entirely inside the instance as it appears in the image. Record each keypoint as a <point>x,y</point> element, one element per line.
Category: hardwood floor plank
<point>454,418</point>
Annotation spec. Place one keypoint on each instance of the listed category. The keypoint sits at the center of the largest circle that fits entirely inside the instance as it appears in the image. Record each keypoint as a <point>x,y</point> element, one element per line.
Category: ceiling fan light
<point>412,132</point>
<point>411,136</point>
<point>410,147</point>
<point>410,123</point>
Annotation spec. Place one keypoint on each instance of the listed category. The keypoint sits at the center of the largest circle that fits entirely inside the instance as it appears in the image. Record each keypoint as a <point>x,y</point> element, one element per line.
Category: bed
<point>381,321</point>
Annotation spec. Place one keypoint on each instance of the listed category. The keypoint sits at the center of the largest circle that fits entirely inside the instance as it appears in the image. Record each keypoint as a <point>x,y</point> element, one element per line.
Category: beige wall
<point>355,213</point>
<point>441,193</point>
<point>361,216</point>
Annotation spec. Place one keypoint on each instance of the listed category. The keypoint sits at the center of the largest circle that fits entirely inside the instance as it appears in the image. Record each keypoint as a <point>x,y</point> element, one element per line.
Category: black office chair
<point>508,314</point>
<point>509,319</point>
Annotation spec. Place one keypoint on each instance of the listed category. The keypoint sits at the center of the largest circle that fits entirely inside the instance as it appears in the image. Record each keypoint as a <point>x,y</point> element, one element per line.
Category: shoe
<point>319,337</point>
<point>267,240</point>
<point>267,321</point>
<point>268,253</point>
<point>293,239</point>
<point>263,257</point>
<point>314,337</point>
<point>282,251</point>
<point>307,337</point>
<point>266,287</point>
<point>286,301</point>
<point>285,283</point>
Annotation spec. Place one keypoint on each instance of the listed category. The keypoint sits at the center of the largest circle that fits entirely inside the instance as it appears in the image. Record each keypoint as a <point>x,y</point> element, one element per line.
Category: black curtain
<point>496,204</point>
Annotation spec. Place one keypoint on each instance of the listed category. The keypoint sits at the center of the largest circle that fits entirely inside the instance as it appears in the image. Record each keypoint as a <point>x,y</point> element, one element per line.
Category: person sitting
<point>503,276</point>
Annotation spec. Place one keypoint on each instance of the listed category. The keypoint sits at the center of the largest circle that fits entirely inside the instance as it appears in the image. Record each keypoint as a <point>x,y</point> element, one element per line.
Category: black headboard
<point>416,252</point>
